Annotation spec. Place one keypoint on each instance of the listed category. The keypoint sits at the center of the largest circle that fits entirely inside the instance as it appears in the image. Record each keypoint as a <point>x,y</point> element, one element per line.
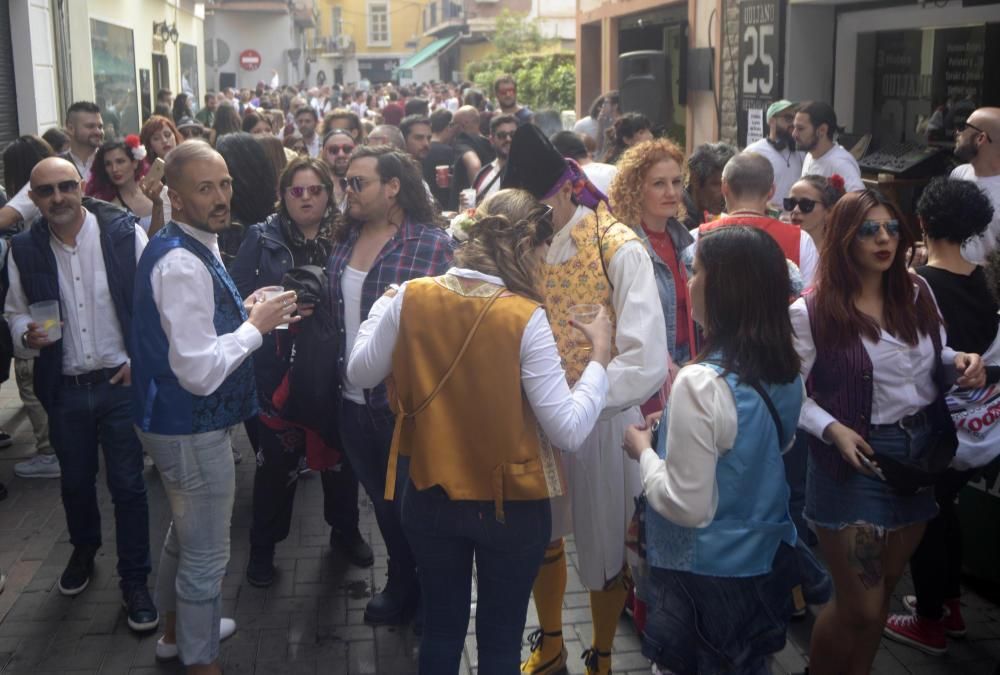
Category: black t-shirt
<point>440,153</point>
<point>461,179</point>
<point>967,306</point>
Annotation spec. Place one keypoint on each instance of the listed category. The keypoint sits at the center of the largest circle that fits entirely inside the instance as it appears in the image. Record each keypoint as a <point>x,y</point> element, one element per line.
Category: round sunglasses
<point>298,191</point>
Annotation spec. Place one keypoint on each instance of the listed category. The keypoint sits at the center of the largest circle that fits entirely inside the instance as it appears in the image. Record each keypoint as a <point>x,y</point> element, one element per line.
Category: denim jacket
<point>666,284</point>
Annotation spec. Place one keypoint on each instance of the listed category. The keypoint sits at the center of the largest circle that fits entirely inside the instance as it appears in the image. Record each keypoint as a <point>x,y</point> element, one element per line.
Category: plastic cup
<point>583,315</point>
<point>442,173</point>
<point>46,315</point>
<point>271,292</point>
<point>467,199</point>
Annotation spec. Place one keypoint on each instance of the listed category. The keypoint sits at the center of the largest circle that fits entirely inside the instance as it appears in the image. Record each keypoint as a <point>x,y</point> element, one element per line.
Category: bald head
<point>987,119</point>
<point>467,119</point>
<point>386,134</point>
<point>184,154</point>
<point>979,142</point>
<point>199,186</point>
<point>57,191</point>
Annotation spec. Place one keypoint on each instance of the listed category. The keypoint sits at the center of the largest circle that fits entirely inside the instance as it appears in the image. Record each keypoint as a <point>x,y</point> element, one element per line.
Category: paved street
<point>310,621</point>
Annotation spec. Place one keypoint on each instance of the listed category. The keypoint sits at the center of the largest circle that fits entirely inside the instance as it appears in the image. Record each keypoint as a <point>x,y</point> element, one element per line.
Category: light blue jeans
<point>200,481</point>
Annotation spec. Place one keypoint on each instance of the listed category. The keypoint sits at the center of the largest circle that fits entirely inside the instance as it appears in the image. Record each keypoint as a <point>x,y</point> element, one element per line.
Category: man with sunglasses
<point>977,142</point>
<point>390,236</point>
<point>338,144</point>
<point>779,148</point>
<point>82,253</point>
<point>487,182</point>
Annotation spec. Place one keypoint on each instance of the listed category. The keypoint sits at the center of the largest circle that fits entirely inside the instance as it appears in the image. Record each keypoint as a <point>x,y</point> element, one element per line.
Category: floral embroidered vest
<point>581,280</point>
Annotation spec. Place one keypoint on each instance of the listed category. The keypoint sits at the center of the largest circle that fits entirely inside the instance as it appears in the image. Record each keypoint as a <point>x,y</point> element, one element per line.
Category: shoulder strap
<point>771,409</point>
<point>454,364</point>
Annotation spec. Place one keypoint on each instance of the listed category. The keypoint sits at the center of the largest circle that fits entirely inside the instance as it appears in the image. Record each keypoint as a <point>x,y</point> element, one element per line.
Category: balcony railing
<point>443,16</point>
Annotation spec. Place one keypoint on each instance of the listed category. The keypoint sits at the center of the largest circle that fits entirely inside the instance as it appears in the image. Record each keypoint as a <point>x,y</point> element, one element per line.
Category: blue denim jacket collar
<point>665,283</point>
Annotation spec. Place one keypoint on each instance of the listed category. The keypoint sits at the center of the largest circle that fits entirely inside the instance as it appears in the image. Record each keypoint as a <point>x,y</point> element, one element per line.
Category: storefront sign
<point>250,59</point>
<point>761,59</point>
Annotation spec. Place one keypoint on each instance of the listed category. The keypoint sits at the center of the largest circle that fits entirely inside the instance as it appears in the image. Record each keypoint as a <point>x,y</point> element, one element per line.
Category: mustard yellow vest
<point>476,435</point>
<point>580,281</point>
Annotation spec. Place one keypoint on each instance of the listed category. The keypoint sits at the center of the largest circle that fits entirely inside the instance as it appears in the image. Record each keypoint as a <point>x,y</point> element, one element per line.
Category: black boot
<point>354,547</point>
<point>260,567</point>
<point>397,601</point>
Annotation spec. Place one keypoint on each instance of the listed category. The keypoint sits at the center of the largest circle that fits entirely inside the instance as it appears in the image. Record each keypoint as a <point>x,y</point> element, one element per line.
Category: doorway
<point>161,74</point>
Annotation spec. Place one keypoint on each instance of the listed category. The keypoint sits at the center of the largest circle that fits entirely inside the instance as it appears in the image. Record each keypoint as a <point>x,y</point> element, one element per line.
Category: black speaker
<point>644,87</point>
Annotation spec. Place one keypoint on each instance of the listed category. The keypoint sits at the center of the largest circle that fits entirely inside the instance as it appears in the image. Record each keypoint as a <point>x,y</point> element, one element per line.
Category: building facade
<point>249,41</point>
<point>116,53</point>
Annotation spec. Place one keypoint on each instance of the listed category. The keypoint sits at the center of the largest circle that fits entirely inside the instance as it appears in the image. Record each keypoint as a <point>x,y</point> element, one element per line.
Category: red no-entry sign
<point>250,59</point>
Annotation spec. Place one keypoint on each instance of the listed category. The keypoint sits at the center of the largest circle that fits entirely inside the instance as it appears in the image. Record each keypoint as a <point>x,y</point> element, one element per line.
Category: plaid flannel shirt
<point>416,251</point>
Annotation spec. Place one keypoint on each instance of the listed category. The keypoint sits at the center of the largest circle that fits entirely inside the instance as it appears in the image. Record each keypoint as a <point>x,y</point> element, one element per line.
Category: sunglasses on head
<point>961,126</point>
<point>65,187</point>
<point>504,135</point>
<point>340,149</point>
<point>356,183</point>
<point>298,191</point>
<point>805,205</point>
<point>870,228</point>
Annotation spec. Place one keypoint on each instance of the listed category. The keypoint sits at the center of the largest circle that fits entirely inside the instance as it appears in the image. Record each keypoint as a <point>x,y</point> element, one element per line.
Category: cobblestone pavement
<point>310,620</point>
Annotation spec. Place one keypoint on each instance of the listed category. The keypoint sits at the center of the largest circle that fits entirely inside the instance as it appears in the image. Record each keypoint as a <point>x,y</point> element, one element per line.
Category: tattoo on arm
<point>865,554</point>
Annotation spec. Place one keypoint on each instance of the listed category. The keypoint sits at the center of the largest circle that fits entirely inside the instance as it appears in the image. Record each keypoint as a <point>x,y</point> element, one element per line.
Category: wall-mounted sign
<point>250,59</point>
<point>761,59</point>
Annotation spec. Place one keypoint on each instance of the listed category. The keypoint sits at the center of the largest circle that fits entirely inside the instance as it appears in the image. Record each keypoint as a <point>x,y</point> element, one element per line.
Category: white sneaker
<point>39,466</point>
<point>168,652</point>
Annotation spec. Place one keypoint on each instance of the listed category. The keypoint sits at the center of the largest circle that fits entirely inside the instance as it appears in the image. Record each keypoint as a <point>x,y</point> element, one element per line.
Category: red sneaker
<point>913,630</point>
<point>954,624</point>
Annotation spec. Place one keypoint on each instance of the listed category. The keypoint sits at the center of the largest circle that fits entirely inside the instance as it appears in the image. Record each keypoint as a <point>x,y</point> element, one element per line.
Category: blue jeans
<point>81,418</point>
<point>445,536</point>
<point>703,625</point>
<point>366,443</point>
<point>199,478</point>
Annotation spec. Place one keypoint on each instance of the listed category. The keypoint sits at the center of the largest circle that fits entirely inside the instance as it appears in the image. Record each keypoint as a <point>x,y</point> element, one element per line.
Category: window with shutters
<point>378,24</point>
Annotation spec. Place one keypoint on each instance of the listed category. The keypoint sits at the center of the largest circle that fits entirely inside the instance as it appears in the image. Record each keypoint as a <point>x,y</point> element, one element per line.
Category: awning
<point>428,52</point>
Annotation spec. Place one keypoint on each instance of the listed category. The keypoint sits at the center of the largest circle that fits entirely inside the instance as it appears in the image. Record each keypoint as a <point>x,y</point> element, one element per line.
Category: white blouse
<point>901,374</point>
<point>565,416</point>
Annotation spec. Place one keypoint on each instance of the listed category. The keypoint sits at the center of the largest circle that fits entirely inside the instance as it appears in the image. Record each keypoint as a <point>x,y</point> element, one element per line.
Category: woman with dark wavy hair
<point>227,121</point>
<point>952,212</point>
<point>628,130</point>
<point>870,337</point>
<point>116,177</point>
<point>254,188</point>
<point>460,497</point>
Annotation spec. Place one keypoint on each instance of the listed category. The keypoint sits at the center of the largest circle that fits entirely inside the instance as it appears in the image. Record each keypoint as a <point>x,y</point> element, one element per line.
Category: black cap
<point>533,164</point>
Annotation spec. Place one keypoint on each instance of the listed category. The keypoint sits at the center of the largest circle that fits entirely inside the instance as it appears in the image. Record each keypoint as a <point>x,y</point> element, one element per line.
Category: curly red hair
<point>626,188</point>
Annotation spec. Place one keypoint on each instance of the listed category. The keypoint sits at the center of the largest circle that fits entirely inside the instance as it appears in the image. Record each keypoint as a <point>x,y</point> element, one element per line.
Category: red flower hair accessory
<point>136,148</point>
<point>837,181</point>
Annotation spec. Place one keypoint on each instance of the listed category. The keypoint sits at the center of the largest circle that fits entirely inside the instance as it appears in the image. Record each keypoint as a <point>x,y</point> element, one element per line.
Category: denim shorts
<point>861,499</point>
<point>703,625</point>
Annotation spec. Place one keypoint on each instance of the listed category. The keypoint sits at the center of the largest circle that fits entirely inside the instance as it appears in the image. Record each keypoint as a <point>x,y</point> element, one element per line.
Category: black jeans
<point>445,536</point>
<point>936,565</point>
<point>366,443</point>
<point>82,418</point>
<point>274,485</point>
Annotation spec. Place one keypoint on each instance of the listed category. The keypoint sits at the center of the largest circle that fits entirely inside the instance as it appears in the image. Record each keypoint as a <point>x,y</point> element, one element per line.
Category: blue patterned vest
<point>161,405</point>
<point>752,517</point>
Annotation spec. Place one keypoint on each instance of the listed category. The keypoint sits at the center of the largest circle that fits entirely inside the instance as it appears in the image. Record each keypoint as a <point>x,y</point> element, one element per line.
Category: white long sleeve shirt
<point>902,382</point>
<point>182,291</point>
<point>92,334</point>
<point>640,367</point>
<point>565,416</point>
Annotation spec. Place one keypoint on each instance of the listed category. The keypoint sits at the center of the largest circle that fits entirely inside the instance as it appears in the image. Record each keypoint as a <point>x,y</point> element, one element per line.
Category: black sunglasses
<point>67,187</point>
<point>805,205</point>
<point>356,183</point>
<point>961,126</point>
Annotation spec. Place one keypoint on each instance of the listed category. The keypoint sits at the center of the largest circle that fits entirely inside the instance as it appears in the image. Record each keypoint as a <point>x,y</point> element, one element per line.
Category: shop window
<point>189,73</point>
<point>378,23</point>
<point>113,53</point>
<point>924,81</point>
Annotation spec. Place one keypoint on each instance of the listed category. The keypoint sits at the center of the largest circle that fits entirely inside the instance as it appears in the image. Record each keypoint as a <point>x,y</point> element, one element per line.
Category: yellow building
<point>366,39</point>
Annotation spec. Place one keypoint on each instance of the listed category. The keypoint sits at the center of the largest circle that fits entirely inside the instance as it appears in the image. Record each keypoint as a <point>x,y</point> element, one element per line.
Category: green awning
<point>428,52</point>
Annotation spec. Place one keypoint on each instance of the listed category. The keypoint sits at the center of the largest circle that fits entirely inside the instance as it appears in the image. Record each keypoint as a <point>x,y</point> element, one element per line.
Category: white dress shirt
<point>22,203</point>
<point>92,334</point>
<point>902,382</point>
<point>314,146</point>
<point>352,282</point>
<point>82,165</point>
<point>566,417</point>
<point>199,357</point>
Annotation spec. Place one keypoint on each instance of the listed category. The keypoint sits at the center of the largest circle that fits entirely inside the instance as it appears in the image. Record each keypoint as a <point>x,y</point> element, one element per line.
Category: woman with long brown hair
<point>475,474</point>
<point>871,338</point>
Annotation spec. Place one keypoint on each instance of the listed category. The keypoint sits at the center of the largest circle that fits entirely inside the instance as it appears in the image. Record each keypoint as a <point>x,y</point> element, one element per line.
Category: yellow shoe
<point>540,663</point>
<point>593,659</point>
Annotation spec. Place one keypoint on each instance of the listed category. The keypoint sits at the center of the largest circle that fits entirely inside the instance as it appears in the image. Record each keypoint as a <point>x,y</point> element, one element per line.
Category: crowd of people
<point>701,367</point>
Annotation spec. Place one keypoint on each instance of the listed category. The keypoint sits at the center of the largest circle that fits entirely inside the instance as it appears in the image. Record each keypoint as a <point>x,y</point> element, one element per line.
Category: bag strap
<point>771,409</point>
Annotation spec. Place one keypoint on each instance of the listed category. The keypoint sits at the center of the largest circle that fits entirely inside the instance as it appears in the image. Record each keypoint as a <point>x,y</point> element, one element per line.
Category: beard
<point>784,140</point>
<point>805,146</point>
<point>966,151</point>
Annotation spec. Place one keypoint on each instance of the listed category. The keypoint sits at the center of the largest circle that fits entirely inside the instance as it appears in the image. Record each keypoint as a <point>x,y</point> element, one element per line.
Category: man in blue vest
<point>191,337</point>
<point>82,253</point>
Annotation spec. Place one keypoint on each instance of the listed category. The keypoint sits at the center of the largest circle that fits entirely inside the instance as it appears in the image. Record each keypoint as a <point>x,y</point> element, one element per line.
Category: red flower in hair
<point>132,141</point>
<point>837,181</point>
<point>136,147</point>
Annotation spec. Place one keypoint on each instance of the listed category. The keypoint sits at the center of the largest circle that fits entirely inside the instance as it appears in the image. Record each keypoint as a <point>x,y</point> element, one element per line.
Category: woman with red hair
<point>159,135</point>
<point>872,343</point>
